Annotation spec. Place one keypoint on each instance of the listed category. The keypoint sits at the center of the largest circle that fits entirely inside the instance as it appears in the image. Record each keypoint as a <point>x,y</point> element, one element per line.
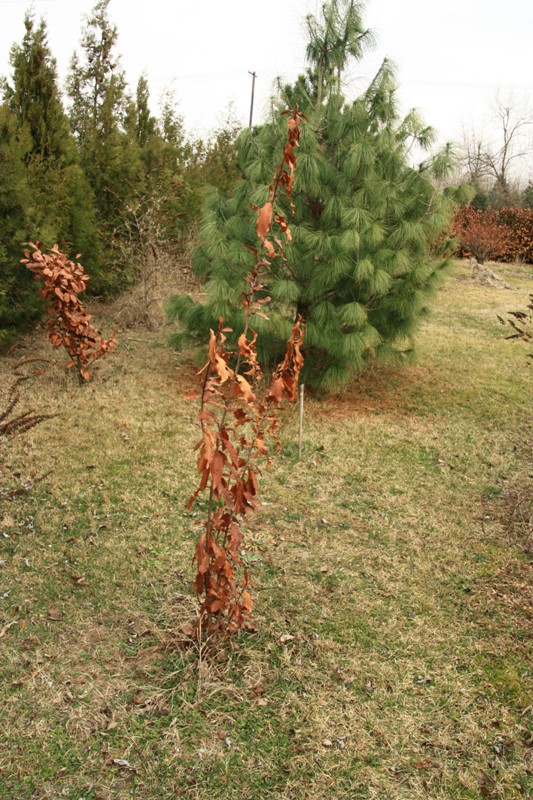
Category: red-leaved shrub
<point>504,234</point>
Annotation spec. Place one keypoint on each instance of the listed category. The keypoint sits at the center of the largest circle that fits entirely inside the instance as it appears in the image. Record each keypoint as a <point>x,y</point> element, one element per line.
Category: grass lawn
<point>392,571</point>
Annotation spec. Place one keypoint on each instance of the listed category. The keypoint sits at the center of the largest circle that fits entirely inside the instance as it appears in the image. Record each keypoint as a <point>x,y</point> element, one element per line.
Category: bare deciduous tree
<point>491,164</point>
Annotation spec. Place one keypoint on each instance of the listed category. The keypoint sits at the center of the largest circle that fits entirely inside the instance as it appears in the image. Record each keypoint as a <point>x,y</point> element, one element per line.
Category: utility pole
<point>254,76</point>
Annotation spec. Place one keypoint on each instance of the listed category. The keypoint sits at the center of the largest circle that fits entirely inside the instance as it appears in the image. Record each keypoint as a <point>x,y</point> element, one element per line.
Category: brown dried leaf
<point>55,614</point>
<point>121,763</point>
<point>424,763</point>
<point>286,637</point>
<point>217,362</point>
<point>5,629</point>
<point>271,252</point>
<point>217,471</point>
<point>276,390</point>
<point>264,220</point>
<point>486,784</point>
<point>247,601</point>
<point>202,557</point>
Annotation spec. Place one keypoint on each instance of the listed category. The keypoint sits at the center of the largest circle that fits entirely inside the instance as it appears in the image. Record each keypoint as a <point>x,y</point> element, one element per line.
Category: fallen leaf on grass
<point>139,700</point>
<point>424,763</point>
<point>55,614</point>
<point>486,784</point>
<point>7,627</point>
<point>77,580</point>
<point>191,394</point>
<point>286,637</point>
<point>258,689</point>
<point>121,763</point>
<point>187,631</point>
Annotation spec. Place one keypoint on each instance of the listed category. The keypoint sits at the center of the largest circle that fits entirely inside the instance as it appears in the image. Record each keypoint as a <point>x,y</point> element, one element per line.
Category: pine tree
<point>60,206</point>
<point>363,261</point>
<point>18,298</point>
<point>527,196</point>
<point>163,155</point>
<point>146,123</point>
<point>105,125</point>
<point>34,96</point>
<point>63,204</point>
<point>152,220</point>
<point>213,162</point>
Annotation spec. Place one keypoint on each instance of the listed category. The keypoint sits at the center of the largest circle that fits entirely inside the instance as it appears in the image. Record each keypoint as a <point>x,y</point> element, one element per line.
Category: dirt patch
<point>381,389</point>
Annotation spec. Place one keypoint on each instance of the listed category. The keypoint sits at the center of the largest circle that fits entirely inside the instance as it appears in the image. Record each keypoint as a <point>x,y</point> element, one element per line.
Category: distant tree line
<point>495,168</point>
<point>83,169</point>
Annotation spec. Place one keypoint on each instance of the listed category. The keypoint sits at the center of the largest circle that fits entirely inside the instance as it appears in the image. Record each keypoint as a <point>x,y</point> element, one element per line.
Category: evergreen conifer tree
<point>363,261</point>
<point>527,196</point>
<point>152,220</point>
<point>45,195</point>
<point>34,96</point>
<point>163,154</point>
<point>104,121</point>
<point>211,162</point>
<point>146,122</point>
<point>62,209</point>
<point>18,298</point>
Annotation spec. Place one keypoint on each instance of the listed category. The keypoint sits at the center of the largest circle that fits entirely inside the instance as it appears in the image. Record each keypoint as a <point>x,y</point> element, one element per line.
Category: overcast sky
<point>452,57</point>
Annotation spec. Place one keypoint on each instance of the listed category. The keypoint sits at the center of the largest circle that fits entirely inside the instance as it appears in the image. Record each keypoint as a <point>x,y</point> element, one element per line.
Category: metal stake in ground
<point>300,421</point>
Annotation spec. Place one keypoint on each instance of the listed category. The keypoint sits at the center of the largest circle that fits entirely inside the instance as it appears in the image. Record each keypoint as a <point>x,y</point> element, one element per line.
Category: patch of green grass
<point>392,653</point>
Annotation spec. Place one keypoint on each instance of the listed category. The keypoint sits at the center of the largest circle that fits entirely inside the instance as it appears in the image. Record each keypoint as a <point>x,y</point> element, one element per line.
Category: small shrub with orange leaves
<point>69,324</point>
<point>236,422</point>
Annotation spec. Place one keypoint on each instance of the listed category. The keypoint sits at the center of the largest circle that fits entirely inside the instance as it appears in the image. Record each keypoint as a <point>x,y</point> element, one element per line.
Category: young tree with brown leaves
<point>236,422</point>
<point>69,324</point>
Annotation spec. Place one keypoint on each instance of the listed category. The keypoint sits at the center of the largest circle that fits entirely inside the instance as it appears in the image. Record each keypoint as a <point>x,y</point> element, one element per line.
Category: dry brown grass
<point>393,599</point>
